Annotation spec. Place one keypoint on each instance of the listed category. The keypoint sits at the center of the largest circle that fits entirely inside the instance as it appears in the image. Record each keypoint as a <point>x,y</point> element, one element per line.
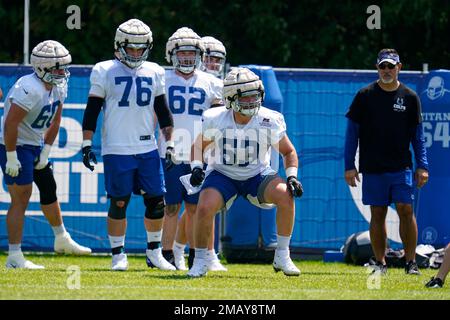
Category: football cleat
<point>282,262</point>
<point>215,265</point>
<point>119,262</point>
<point>435,283</point>
<point>155,259</point>
<point>178,257</point>
<point>377,267</point>
<point>411,267</point>
<point>65,244</point>
<point>199,268</point>
<point>18,261</point>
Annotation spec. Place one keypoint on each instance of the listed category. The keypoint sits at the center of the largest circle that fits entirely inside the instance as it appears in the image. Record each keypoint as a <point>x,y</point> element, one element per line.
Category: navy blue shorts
<point>386,188</point>
<point>125,174</point>
<point>175,191</point>
<point>26,154</point>
<point>230,189</point>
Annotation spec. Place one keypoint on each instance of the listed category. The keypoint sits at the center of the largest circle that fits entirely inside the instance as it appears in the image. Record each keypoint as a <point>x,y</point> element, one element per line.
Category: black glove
<point>294,186</point>
<point>170,158</point>
<point>88,156</point>
<point>197,177</point>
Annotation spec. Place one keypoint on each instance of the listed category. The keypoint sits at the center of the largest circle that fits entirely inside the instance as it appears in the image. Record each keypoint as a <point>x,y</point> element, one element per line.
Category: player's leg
<point>20,189</point>
<point>376,193</point>
<point>214,263</point>
<point>173,199</point>
<point>119,176</point>
<point>179,245</point>
<point>445,267</point>
<point>217,191</point>
<point>274,190</point>
<point>210,202</point>
<point>46,184</point>
<point>169,230</point>
<point>403,195</point>
<point>150,183</point>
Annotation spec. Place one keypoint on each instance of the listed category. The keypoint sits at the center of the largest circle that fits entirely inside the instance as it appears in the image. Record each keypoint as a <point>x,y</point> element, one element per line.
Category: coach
<point>385,117</point>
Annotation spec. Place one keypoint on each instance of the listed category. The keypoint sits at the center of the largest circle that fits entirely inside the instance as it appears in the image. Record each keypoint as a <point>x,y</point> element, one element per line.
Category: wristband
<point>86,143</point>
<point>196,163</point>
<point>11,155</point>
<point>46,149</point>
<point>291,172</point>
<point>170,144</point>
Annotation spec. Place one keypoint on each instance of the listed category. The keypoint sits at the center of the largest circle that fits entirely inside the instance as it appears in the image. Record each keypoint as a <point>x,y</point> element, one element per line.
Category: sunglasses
<point>386,64</point>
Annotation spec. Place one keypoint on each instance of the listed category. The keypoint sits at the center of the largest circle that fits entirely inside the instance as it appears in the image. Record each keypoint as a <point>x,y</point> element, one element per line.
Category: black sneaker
<point>435,283</point>
<point>168,255</point>
<point>378,266</point>
<point>412,268</point>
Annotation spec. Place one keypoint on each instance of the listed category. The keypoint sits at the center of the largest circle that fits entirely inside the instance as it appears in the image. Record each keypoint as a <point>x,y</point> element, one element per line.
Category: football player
<point>45,181</point>
<point>214,57</point>
<point>241,135</point>
<point>190,91</point>
<point>31,119</point>
<point>130,90</point>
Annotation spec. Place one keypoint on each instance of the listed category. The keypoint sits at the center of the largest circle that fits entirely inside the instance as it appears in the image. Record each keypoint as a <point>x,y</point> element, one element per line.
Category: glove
<point>42,160</point>
<point>294,186</point>
<point>197,177</point>
<point>88,155</point>
<point>13,165</point>
<point>170,158</point>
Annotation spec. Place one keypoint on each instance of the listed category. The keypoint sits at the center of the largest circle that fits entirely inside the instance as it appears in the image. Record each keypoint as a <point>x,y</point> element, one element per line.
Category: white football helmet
<point>216,50</point>
<point>185,39</point>
<point>242,83</point>
<point>133,34</point>
<point>50,60</point>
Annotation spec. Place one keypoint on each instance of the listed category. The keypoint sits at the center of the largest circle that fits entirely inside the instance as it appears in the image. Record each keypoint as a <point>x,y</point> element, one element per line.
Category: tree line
<point>290,33</point>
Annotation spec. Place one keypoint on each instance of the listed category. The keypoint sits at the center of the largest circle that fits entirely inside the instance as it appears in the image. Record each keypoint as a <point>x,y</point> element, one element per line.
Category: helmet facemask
<point>131,60</point>
<point>186,63</point>
<point>247,103</point>
<point>58,76</point>
<point>214,63</point>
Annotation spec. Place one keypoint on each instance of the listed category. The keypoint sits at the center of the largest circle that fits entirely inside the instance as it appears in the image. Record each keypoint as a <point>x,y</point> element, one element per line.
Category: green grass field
<point>243,281</point>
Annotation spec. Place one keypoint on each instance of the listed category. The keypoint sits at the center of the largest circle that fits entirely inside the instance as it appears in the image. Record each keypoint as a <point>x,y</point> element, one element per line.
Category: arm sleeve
<point>93,108</point>
<point>420,152</point>
<point>351,144</point>
<point>165,118</point>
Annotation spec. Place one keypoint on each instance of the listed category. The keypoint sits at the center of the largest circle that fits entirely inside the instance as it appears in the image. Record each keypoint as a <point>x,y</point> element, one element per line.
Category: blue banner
<point>314,104</point>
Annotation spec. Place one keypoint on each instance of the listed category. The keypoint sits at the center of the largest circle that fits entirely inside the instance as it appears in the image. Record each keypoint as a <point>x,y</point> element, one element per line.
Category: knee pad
<point>154,207</point>
<point>118,207</point>
<point>45,181</point>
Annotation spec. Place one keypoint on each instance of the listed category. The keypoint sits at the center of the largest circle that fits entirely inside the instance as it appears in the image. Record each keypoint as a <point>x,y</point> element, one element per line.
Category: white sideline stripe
<point>65,213</point>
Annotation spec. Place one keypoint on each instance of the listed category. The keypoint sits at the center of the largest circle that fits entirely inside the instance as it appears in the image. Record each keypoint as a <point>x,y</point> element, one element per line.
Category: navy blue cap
<point>388,57</point>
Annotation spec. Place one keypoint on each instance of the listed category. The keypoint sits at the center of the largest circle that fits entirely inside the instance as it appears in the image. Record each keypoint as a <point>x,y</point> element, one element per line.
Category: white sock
<point>201,253</point>
<point>59,230</point>
<point>14,248</point>
<point>116,241</point>
<point>283,242</point>
<point>212,254</point>
<point>154,236</point>
<point>178,246</point>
